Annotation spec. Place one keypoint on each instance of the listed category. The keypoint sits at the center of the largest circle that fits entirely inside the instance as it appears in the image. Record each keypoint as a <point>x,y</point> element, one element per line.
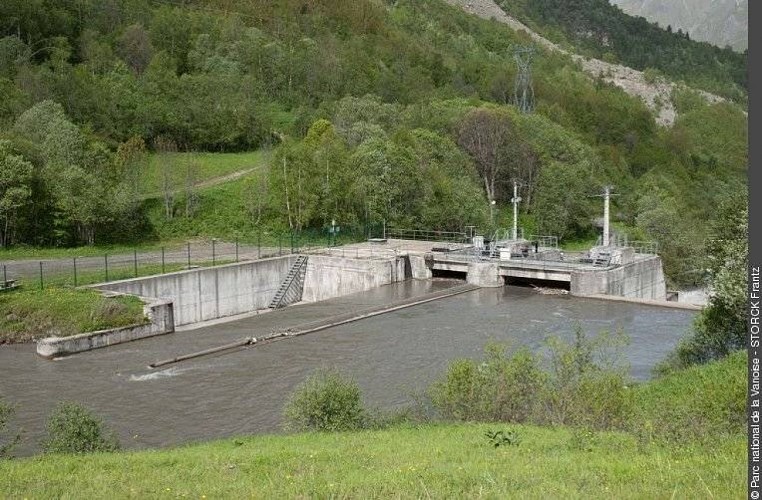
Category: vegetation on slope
<point>384,89</point>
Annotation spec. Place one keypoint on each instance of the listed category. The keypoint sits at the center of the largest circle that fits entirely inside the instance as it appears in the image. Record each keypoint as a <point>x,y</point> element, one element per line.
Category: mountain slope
<point>656,94</point>
<point>721,22</point>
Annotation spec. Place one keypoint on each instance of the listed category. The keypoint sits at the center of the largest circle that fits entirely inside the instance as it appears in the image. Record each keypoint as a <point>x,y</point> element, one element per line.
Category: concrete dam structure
<point>200,295</point>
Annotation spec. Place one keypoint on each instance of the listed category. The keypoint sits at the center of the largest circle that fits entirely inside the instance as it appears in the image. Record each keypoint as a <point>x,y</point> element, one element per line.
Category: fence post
<point>214,251</point>
<point>41,283</point>
<point>189,258</point>
<point>236,249</point>
<point>135,260</point>
<point>5,275</point>
<point>280,244</point>
<point>75,272</point>
<point>259,244</point>
<point>105,258</point>
<point>162,260</point>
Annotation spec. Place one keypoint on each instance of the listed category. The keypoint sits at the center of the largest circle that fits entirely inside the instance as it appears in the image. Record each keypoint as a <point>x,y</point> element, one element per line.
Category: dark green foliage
<point>503,438</point>
<point>72,428</point>
<point>721,327</point>
<point>326,401</point>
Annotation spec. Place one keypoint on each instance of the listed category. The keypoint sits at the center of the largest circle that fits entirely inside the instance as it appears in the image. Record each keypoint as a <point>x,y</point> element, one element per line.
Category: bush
<point>72,428</point>
<point>501,388</point>
<point>588,382</point>
<point>585,386</point>
<point>326,401</point>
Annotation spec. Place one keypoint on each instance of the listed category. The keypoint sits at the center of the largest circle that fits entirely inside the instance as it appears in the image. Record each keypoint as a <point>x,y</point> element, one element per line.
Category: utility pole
<point>515,200</point>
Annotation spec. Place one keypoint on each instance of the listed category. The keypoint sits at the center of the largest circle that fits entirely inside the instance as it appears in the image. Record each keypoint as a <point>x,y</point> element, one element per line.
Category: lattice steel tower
<point>523,95</point>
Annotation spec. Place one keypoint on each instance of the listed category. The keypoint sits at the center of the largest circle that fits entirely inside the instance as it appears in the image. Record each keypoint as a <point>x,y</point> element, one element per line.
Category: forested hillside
<point>373,111</point>
<point>599,29</point>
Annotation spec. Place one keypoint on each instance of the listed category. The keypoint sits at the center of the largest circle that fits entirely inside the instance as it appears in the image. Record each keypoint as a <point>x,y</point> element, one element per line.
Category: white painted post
<point>515,200</point>
<point>606,199</point>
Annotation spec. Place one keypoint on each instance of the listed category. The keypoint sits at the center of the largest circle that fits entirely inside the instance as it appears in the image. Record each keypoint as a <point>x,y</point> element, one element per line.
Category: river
<point>392,357</point>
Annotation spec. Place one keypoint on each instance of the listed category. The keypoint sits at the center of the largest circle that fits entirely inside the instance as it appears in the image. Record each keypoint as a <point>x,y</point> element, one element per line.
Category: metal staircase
<point>291,288</point>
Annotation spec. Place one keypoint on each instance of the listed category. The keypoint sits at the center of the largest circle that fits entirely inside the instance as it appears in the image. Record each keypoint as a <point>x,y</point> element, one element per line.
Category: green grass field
<point>433,461</point>
<point>28,314</point>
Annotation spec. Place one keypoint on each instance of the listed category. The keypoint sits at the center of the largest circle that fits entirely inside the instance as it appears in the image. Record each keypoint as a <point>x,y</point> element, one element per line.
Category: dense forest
<point>599,29</point>
<point>373,111</point>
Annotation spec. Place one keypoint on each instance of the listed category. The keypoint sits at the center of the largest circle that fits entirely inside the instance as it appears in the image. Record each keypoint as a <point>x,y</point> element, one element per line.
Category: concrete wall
<point>418,268</point>
<point>211,293</point>
<point>329,277</point>
<point>484,274</point>
<point>160,321</point>
<point>642,279</point>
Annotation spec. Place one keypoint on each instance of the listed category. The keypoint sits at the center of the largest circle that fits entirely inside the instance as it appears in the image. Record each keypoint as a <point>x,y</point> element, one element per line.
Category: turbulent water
<point>392,356</point>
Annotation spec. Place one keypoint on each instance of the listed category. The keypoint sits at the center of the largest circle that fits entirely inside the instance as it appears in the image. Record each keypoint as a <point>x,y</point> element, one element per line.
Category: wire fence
<point>128,264</point>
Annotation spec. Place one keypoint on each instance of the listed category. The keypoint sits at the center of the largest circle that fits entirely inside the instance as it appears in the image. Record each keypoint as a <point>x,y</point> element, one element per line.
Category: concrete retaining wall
<point>211,293</point>
<point>329,277</point>
<point>160,321</point>
<point>641,279</point>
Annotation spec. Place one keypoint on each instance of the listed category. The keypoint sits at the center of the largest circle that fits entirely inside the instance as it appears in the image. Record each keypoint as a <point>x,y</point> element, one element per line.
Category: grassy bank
<point>30,314</point>
<point>441,460</point>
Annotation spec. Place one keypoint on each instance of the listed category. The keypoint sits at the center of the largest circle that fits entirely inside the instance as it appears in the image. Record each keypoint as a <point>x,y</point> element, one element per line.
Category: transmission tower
<point>524,91</point>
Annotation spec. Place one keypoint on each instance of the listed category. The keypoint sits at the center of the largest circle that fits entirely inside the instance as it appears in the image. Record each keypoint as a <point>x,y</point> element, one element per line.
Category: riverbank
<point>30,314</point>
<point>440,461</point>
<point>693,447</point>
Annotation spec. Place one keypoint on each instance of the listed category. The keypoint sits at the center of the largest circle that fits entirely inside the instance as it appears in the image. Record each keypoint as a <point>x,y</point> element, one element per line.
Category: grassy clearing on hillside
<point>440,461</point>
<point>207,166</point>
<point>30,314</point>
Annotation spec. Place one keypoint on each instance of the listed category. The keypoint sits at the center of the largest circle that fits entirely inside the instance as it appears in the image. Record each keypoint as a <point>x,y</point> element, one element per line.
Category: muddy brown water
<point>392,357</point>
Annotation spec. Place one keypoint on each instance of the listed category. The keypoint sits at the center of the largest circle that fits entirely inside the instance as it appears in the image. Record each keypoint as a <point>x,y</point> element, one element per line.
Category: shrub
<point>72,428</point>
<point>326,401</point>
<point>585,386</point>
<point>502,388</point>
<point>588,382</point>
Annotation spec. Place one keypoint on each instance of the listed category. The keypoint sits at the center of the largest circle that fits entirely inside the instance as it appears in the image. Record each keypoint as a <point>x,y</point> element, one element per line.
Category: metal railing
<point>425,235</point>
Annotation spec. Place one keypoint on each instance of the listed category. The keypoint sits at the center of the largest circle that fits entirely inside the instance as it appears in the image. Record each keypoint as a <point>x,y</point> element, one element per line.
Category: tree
<point>721,327</point>
<point>487,135</point>
<point>15,190</point>
<point>135,48</point>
